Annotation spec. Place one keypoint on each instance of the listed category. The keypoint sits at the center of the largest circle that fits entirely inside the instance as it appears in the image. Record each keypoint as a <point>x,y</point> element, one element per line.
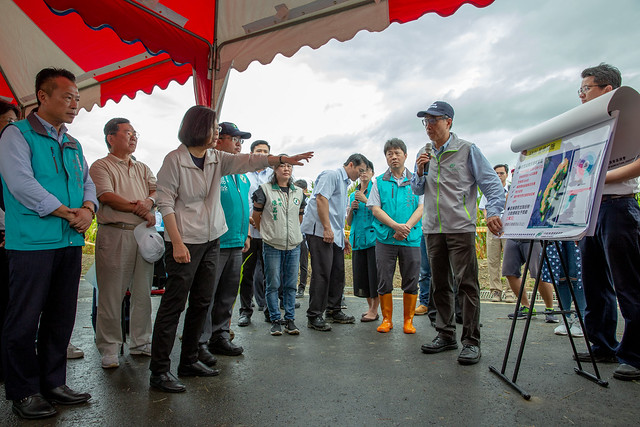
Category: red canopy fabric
<point>120,47</point>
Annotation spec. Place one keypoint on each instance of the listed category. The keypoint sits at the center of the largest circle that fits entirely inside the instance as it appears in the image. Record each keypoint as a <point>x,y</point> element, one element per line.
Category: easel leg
<point>565,270</point>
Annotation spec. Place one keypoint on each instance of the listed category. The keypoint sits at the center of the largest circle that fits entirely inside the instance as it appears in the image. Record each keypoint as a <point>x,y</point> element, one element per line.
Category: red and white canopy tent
<point>120,47</point>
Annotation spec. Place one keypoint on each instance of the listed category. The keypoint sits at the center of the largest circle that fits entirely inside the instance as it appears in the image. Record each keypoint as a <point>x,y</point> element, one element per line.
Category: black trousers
<point>455,252</point>
<point>4,295</point>
<point>408,258</point>
<point>251,260</point>
<point>193,281</point>
<point>327,276</point>
<point>43,293</point>
<point>432,305</point>
<point>225,292</point>
<point>304,263</point>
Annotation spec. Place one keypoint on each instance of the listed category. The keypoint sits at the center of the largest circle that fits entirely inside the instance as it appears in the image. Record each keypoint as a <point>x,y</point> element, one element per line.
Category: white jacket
<point>193,195</point>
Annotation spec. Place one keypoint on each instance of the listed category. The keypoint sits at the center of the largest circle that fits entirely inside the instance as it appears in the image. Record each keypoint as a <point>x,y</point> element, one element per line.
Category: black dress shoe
<point>197,369</point>
<point>33,407</point>
<point>166,381</point>
<point>439,344</point>
<point>225,347</point>
<point>205,356</point>
<point>469,355</point>
<point>65,396</point>
<point>244,320</point>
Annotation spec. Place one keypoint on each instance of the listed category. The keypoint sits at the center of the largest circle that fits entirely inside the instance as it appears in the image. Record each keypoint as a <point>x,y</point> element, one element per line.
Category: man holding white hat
<point>126,190</point>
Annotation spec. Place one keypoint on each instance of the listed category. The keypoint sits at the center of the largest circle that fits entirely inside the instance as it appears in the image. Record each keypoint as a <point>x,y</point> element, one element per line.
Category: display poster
<point>557,183</point>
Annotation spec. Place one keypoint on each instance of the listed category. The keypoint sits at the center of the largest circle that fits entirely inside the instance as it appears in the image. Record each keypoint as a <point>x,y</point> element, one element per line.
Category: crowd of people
<point>239,223</point>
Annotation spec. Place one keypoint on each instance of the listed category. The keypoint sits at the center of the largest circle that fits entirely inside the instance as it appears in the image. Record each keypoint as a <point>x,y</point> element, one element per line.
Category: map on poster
<point>556,186</point>
<point>553,186</point>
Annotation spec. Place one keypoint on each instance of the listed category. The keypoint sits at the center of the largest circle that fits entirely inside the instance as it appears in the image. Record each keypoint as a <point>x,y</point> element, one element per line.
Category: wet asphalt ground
<point>351,376</point>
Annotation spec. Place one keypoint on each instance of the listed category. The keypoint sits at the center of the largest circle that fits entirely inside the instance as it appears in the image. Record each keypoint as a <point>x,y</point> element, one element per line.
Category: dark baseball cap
<point>438,108</point>
<point>228,128</point>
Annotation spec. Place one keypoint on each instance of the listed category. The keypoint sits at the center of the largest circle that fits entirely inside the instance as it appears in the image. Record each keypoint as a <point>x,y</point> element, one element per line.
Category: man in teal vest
<point>234,196</point>
<point>397,213</point>
<point>449,177</point>
<point>50,202</point>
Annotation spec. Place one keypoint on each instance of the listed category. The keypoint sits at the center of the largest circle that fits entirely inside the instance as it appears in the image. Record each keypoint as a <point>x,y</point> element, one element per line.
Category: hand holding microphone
<point>427,149</point>
<point>422,163</point>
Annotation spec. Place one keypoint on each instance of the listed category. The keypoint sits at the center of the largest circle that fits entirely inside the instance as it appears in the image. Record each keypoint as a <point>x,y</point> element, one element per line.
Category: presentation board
<point>557,183</point>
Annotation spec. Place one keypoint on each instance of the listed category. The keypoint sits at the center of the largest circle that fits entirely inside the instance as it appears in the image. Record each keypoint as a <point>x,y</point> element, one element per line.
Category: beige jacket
<point>193,195</point>
<point>280,221</point>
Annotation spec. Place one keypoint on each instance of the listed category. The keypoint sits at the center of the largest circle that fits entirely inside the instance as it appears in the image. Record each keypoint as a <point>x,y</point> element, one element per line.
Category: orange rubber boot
<point>386,306</point>
<point>409,302</point>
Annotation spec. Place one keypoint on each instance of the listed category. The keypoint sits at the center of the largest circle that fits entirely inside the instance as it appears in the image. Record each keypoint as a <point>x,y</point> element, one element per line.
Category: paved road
<point>352,376</point>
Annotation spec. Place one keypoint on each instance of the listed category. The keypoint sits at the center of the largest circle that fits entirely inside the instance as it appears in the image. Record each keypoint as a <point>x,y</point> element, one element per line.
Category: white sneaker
<point>576,330</point>
<point>561,330</point>
<point>74,352</point>
<point>143,350</point>
<point>110,361</point>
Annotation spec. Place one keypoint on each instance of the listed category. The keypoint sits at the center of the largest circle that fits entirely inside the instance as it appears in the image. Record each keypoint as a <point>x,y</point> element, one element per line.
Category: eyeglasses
<point>235,139</point>
<point>433,120</point>
<point>586,88</point>
<point>129,134</point>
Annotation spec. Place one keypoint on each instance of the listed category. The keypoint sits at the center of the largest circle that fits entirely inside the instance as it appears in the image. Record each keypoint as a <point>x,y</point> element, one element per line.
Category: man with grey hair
<point>457,168</point>
<point>126,189</point>
<point>611,257</point>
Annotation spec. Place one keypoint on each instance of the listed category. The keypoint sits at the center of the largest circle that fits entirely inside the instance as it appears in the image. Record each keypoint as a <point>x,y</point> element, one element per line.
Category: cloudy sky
<point>504,69</point>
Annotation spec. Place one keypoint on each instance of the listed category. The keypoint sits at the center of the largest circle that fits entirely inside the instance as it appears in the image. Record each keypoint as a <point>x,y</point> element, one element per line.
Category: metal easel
<point>512,381</point>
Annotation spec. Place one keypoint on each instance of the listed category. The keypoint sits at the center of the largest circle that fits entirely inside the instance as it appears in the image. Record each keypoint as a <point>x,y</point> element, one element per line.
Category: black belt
<point>606,197</point>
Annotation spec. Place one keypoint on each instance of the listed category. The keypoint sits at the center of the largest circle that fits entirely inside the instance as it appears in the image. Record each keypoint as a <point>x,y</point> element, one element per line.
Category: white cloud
<point>504,68</point>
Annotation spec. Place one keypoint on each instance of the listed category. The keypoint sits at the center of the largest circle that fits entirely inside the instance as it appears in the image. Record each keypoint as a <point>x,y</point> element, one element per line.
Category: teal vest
<point>399,202</point>
<point>234,197</point>
<point>362,234</point>
<point>60,172</point>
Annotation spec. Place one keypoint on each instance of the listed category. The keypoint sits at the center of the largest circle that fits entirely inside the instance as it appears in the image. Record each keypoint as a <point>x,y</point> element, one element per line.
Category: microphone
<point>427,150</point>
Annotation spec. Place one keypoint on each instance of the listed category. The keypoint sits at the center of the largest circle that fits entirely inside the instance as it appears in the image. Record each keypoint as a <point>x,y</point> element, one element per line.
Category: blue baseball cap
<point>228,128</point>
<point>438,108</point>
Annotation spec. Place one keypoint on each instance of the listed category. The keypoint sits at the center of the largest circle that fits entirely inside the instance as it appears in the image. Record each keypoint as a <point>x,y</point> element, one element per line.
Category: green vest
<point>399,202</point>
<point>362,234</point>
<point>60,172</point>
<point>280,221</point>
<point>234,197</point>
